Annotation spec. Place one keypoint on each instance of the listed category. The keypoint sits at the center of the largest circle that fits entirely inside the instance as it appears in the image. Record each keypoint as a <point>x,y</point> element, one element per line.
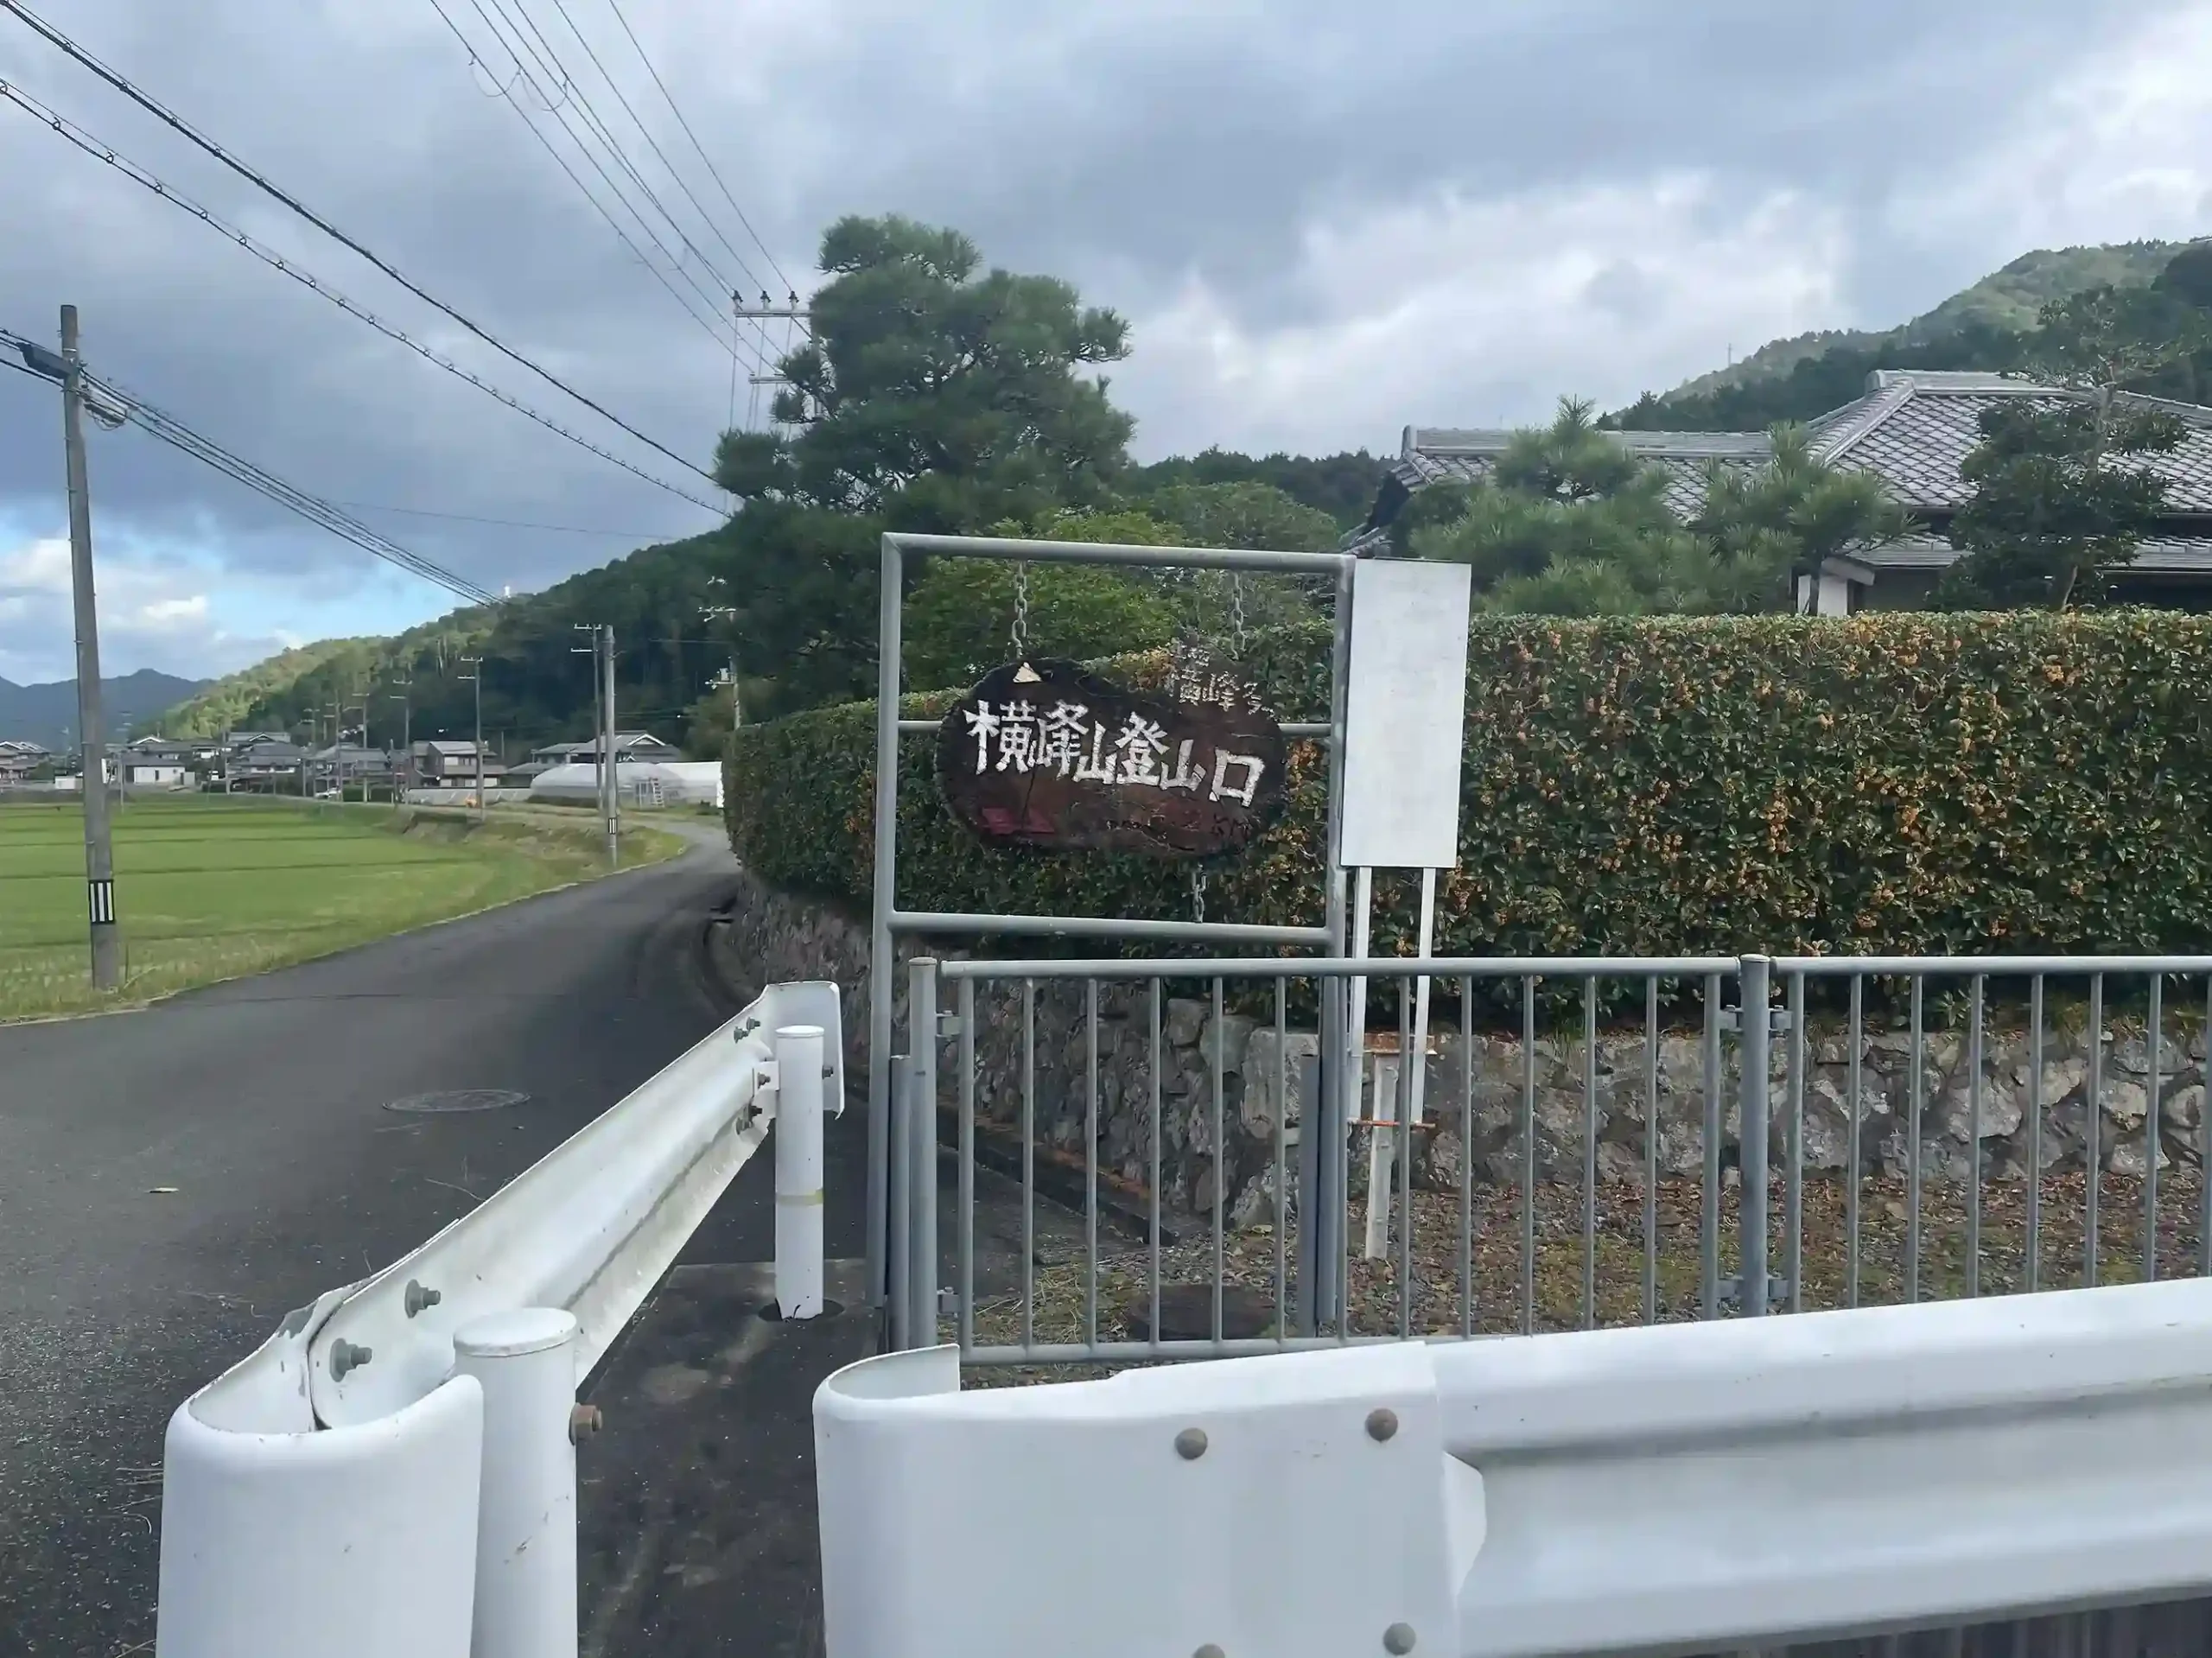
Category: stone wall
<point>780,938</point>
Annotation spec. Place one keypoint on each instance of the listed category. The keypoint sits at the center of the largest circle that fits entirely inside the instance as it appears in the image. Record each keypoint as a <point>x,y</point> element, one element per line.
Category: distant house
<point>262,763</point>
<point>440,763</point>
<point>156,762</point>
<point>1912,430</point>
<point>19,758</point>
<point>344,764</point>
<point>630,747</point>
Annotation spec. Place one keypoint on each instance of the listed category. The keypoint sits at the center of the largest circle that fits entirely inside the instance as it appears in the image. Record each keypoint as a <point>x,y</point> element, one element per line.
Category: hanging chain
<point>1236,610</point>
<point>1020,612</point>
<point>1197,893</point>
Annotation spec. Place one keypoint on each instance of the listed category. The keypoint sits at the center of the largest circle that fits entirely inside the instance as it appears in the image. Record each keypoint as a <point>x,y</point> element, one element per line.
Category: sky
<point>1323,223</point>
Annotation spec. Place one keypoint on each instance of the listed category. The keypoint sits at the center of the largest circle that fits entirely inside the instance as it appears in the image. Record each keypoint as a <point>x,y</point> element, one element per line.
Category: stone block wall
<point>777,937</point>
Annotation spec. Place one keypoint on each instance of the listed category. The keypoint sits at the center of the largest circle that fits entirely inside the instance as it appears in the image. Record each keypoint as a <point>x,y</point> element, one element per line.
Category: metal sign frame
<point>890,922</point>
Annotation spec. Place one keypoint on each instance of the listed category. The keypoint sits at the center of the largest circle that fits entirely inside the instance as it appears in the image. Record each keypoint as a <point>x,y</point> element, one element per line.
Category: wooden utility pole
<point>607,747</point>
<point>100,850</point>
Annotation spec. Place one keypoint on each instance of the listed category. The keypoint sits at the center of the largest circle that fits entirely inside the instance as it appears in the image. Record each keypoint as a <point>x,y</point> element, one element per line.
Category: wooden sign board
<point>1045,756</point>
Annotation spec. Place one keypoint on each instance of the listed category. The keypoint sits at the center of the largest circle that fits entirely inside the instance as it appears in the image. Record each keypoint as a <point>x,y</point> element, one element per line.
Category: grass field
<point>208,888</point>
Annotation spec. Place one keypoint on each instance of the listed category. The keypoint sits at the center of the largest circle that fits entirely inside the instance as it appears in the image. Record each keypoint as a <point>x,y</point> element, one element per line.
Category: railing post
<point>901,1240</point>
<point>526,1362</point>
<point>799,1171</point>
<point>1753,1022</point>
<point>921,1155</point>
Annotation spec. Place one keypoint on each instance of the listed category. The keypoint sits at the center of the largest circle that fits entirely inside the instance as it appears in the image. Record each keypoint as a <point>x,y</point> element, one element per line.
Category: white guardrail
<point>400,1455</point>
<point>1688,1487</point>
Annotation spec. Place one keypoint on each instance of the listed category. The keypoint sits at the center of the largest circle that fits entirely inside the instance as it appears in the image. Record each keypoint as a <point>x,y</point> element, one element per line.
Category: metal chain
<point>1236,610</point>
<point>1197,893</point>
<point>1020,611</point>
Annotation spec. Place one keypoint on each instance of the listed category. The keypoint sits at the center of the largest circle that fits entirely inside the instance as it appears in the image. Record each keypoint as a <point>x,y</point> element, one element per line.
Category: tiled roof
<point>2178,555</point>
<point>1912,428</point>
<point>1448,454</point>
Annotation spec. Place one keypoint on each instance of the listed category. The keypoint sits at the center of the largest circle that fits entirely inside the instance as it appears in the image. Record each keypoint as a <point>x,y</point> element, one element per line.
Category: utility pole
<point>476,678</point>
<point>99,849</point>
<point>613,778</point>
<point>406,744</point>
<point>361,691</point>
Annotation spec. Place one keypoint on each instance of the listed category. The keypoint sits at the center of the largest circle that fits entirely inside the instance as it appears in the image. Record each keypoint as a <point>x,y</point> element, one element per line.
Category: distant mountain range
<point>47,715</point>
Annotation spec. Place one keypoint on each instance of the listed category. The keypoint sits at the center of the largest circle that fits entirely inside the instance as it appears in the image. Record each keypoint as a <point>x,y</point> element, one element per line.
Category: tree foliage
<point>933,396</point>
<point>1571,522</point>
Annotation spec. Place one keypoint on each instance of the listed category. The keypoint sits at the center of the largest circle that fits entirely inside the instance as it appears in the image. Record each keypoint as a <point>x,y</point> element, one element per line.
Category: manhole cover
<point>459,1099</point>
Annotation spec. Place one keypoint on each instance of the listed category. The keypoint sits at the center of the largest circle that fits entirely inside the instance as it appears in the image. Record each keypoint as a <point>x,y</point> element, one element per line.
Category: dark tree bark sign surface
<point>1043,755</point>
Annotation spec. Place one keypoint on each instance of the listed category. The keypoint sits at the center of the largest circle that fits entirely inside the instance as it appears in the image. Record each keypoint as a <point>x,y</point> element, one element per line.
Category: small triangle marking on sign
<point>1025,674</point>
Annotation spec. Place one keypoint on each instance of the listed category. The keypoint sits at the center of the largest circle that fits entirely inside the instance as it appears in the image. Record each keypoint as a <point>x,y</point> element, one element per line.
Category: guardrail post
<point>799,1171</point>
<point>898,1303</point>
<point>1752,1114</point>
<point>921,1155</point>
<point>526,1362</point>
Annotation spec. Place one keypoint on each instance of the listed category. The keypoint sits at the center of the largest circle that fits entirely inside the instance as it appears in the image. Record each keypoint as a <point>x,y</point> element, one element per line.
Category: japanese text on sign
<point>1064,741</point>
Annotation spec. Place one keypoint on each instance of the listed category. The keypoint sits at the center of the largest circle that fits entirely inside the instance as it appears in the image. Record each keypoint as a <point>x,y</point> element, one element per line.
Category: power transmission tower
<point>99,848</point>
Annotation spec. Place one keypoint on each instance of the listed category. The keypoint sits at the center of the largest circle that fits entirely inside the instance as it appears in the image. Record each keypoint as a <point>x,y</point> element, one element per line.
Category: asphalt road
<point>263,1104</point>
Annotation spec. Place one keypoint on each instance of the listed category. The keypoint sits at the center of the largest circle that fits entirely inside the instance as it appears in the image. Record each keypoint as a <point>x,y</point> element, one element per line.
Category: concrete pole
<point>613,778</point>
<point>91,730</point>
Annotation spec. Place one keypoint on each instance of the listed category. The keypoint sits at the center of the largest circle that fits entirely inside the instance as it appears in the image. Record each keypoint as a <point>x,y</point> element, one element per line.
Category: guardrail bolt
<point>1399,1639</point>
<point>420,1298</point>
<point>345,1356</point>
<point>584,1422</point>
<point>1383,1425</point>
<point>1190,1446</point>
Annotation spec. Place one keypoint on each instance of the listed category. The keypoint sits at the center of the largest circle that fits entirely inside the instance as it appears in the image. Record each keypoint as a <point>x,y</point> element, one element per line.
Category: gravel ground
<point>1603,1282</point>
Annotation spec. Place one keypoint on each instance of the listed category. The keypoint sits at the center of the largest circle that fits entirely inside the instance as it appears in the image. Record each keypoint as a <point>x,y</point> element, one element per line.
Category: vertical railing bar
<point>1467,1156</point>
<point>899,1239</point>
<point>1090,1164</point>
<point>966,1311</point>
<point>1282,1155</point>
<point>1221,1176</point>
<point>2034,1134</point>
<point>1402,1133</point>
<point>1029,1162</point>
<point>1152,1325</point>
<point>1708,1233</point>
<point>923,1253</point>
<point>1917,1093</point>
<point>1974,1042</point>
<point>1855,1178</point>
<point>1527,1155</point>
<point>1651,1150</point>
<point>1589,1312</point>
<point>2150,1146</point>
<point>2092,1132</point>
<point>1340,1153</point>
<point>2203,1142</point>
<point>1793,1194</point>
<point>1755,1115</point>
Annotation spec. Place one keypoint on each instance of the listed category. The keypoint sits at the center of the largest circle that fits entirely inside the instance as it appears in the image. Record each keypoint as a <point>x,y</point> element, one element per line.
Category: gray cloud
<point>1323,222</point>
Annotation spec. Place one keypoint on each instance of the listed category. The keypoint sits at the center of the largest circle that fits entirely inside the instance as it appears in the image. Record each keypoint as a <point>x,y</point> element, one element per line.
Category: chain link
<point>1021,610</point>
<point>1236,610</point>
<point>1197,893</point>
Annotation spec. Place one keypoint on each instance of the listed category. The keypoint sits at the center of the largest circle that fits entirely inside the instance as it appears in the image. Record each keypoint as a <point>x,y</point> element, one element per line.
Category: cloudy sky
<point>1323,222</point>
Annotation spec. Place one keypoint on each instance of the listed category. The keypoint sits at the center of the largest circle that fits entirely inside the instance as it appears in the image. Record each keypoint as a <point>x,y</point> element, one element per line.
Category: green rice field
<point>210,888</point>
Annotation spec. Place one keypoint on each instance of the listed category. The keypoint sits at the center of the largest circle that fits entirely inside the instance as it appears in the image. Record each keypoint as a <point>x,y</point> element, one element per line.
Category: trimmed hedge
<point>1892,783</point>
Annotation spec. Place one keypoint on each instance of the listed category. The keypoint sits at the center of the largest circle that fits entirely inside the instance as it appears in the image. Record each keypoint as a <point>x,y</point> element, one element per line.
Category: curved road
<point>262,1102</point>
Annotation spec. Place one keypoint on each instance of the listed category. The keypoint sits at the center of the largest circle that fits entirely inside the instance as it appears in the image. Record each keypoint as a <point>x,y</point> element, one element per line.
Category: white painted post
<point>799,1171</point>
<point>1382,1155</point>
<point>526,1362</point>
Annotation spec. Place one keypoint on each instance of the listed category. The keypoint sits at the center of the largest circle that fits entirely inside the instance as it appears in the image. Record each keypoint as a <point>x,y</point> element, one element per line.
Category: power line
<point>597,127</point>
<point>154,107</point>
<point>713,171</point>
<point>509,523</point>
<point>174,432</point>
<point>93,147</point>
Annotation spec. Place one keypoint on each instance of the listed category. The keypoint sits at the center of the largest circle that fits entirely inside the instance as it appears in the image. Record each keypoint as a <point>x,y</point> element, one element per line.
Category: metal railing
<point>1586,1142</point>
<point>401,1450</point>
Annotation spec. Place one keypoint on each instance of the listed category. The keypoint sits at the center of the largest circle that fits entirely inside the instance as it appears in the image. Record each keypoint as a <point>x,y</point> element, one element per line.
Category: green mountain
<point>670,658</point>
<point>1976,328</point>
<point>46,714</point>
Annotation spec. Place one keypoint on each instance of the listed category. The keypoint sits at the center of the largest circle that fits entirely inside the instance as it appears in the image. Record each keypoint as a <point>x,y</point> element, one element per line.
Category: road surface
<point>173,1180</point>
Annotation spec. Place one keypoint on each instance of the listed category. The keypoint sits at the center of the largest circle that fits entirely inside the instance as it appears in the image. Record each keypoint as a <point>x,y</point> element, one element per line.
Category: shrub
<point>1894,783</point>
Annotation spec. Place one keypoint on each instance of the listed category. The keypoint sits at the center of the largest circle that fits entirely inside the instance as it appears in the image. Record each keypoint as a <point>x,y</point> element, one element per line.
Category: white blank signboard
<point>1405,713</point>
